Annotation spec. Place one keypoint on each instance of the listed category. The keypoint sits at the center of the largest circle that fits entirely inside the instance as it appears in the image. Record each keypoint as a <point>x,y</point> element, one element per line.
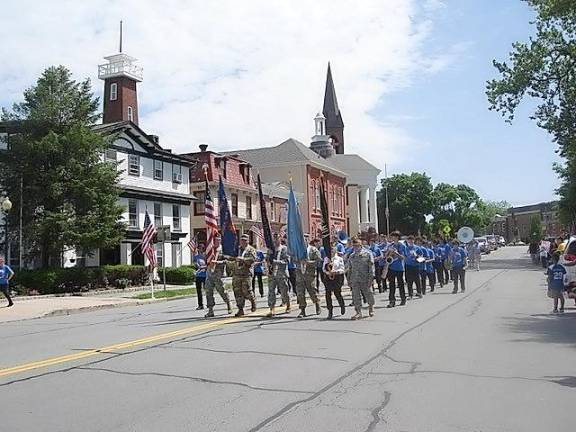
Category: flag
<point>257,232</point>
<point>211,226</point>
<point>229,238</point>
<point>147,244</point>
<point>283,231</point>
<point>192,244</point>
<point>296,246</point>
<point>325,221</point>
<point>266,232</point>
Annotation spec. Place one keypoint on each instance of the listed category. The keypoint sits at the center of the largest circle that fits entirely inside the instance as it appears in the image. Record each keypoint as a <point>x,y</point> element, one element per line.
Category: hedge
<point>183,275</point>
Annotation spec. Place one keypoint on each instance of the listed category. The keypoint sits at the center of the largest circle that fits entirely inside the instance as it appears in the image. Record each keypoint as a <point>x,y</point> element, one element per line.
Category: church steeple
<point>334,122</point>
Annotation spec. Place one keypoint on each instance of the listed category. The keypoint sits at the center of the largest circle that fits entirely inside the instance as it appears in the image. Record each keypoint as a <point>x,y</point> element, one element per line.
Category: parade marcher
<point>413,267</point>
<point>258,269</point>
<point>278,278</point>
<point>396,270</point>
<point>420,242</point>
<point>241,275</point>
<point>439,254</point>
<point>214,275</point>
<point>378,258</point>
<point>333,281</point>
<point>200,276</point>
<point>447,263</point>
<point>319,272</point>
<point>428,273</point>
<point>292,275</point>
<point>305,280</point>
<point>360,268</point>
<point>459,261</point>
<point>474,256</point>
<point>544,253</point>
<point>381,264</point>
<point>6,274</point>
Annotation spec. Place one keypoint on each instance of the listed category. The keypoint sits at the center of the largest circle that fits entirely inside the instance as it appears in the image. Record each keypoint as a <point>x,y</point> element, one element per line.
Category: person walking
<point>278,278</point>
<point>557,280</point>
<point>396,270</point>
<point>258,273</point>
<point>378,258</point>
<point>413,255</point>
<point>438,263</point>
<point>381,264</point>
<point>305,280</point>
<point>333,280</point>
<point>459,260</point>
<point>241,275</point>
<point>360,268</point>
<point>214,275</point>
<point>200,263</point>
<point>6,274</point>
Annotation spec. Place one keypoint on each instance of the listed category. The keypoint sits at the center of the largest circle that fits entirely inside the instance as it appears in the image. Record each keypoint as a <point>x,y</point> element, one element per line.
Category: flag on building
<point>147,243</point>
<point>297,248</point>
<point>229,237</point>
<point>258,233</point>
<point>266,231</point>
<point>326,240</point>
<point>211,226</point>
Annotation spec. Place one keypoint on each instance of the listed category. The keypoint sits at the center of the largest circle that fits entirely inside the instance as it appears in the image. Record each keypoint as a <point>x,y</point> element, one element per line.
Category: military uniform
<point>214,277</point>
<point>360,270</point>
<point>278,280</point>
<point>305,282</point>
<point>241,278</point>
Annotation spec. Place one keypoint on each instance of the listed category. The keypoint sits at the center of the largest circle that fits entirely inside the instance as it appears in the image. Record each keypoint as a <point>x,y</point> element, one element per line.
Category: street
<point>490,359</point>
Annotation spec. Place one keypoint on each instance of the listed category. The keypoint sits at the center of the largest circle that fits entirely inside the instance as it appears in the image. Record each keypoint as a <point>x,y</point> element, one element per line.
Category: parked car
<point>483,243</point>
<point>492,242</point>
<point>501,241</point>
<point>569,256</point>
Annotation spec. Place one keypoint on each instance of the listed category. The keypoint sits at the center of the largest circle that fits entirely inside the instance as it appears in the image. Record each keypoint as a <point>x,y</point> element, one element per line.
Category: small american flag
<point>192,244</point>
<point>211,226</point>
<point>147,240</point>
<point>283,232</point>
<point>257,232</point>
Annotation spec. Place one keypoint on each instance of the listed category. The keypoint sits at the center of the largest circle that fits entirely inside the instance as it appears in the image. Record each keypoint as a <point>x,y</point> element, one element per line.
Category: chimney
<point>155,138</point>
<point>203,147</point>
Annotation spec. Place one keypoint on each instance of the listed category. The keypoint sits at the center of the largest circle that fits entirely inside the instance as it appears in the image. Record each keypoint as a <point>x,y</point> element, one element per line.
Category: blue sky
<point>448,112</point>
<point>410,77</point>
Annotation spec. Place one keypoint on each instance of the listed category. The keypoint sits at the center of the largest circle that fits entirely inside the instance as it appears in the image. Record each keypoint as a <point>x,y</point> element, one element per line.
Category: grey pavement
<point>491,359</point>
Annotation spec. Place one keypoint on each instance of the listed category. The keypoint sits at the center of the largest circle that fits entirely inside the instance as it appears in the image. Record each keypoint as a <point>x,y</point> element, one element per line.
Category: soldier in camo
<point>305,282</point>
<point>278,279</point>
<point>241,275</point>
<point>360,270</point>
<point>214,277</point>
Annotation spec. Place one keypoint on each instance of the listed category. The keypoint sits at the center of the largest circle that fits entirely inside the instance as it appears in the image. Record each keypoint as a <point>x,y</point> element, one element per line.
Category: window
<point>133,213</point>
<point>176,218</point>
<point>158,170</point>
<point>245,172</point>
<point>110,155</point>
<point>317,196</point>
<point>234,200</point>
<point>158,215</point>
<point>176,254</point>
<point>130,114</point>
<point>248,207</point>
<point>199,205</point>
<point>160,254</point>
<point>176,173</point>
<point>222,167</point>
<point>134,165</point>
<point>113,91</point>
<point>272,210</point>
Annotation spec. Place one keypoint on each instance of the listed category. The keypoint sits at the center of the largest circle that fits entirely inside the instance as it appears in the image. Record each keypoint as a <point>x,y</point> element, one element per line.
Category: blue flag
<point>297,248</point>
<point>229,238</point>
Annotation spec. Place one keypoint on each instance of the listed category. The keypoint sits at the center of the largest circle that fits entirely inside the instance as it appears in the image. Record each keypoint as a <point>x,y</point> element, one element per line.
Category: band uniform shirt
<point>383,249</point>
<point>338,264</point>
<point>398,264</point>
<point>458,258</point>
<point>413,252</point>
<point>431,256</point>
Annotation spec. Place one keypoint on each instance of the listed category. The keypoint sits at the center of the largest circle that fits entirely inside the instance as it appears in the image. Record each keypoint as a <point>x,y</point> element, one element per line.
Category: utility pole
<point>20,228</point>
<point>387,211</point>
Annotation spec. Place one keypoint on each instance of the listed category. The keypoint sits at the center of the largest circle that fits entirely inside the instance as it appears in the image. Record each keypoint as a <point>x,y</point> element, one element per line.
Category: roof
<point>546,206</point>
<point>353,162</point>
<point>290,151</point>
<point>331,110</point>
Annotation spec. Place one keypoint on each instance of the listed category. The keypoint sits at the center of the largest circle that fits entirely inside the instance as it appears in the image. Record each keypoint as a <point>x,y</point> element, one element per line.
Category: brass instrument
<point>389,257</point>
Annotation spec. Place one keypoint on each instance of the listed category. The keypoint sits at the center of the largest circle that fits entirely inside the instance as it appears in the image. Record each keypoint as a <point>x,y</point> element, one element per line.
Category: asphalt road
<point>491,359</point>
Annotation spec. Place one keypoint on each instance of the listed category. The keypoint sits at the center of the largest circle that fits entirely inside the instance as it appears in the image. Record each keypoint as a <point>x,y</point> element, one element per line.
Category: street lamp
<point>6,207</point>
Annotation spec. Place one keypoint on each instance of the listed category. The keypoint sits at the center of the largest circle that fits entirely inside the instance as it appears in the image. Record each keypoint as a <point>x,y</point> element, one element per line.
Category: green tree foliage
<point>535,228</point>
<point>70,197</point>
<point>410,201</point>
<point>544,69</point>
<point>459,205</point>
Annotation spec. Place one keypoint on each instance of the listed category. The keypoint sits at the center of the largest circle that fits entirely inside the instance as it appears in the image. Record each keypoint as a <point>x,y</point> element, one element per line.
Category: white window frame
<point>176,218</point>
<point>130,113</point>
<point>160,255</point>
<point>158,170</point>
<point>113,91</point>
<point>136,218</point>
<point>249,212</point>
<point>134,165</point>
<point>158,216</point>
<point>108,155</point>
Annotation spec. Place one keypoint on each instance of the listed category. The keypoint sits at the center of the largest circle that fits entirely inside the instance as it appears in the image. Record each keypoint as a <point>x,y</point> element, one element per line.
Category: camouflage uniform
<point>279,279</point>
<point>306,282</point>
<point>360,271</point>
<point>214,276</point>
<point>241,277</point>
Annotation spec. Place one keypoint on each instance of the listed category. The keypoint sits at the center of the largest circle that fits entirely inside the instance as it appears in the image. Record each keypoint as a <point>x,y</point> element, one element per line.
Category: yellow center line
<point>116,347</point>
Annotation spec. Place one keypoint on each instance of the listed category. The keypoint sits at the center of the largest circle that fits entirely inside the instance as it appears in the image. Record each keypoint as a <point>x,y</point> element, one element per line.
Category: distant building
<point>515,225</point>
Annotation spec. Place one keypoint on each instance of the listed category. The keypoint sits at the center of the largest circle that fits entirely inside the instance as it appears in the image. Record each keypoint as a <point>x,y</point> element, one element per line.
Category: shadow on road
<point>510,264</point>
<point>545,327</point>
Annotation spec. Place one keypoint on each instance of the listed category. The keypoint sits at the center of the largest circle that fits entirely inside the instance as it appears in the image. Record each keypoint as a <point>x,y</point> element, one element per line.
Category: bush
<point>183,275</point>
<point>116,275</point>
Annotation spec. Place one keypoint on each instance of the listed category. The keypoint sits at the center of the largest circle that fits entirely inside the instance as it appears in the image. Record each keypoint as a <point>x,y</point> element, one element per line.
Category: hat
<point>245,237</point>
<point>218,237</point>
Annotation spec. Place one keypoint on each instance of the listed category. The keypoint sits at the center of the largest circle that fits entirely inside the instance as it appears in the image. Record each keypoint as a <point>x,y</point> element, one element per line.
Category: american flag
<point>283,231</point>
<point>258,232</point>
<point>211,226</point>
<point>192,244</point>
<point>147,240</point>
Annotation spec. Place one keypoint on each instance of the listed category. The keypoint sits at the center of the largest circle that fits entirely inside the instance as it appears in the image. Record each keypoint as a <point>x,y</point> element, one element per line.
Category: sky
<point>409,74</point>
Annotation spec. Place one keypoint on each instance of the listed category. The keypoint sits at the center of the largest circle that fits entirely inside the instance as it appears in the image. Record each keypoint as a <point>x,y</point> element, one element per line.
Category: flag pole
<point>152,283</point>
<point>386,195</point>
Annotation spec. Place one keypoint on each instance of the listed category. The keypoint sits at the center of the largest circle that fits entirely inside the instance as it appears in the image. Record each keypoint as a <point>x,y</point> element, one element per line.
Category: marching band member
<point>459,260</point>
<point>333,280</point>
<point>397,251</point>
<point>378,258</point>
<point>439,255</point>
<point>413,267</point>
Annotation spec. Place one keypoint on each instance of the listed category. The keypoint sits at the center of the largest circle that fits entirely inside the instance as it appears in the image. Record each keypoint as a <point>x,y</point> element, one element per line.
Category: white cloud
<point>234,73</point>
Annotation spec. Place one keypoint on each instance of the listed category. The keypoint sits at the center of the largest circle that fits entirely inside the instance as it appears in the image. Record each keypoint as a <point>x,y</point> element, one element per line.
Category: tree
<point>410,201</point>
<point>70,196</point>
<point>457,206</point>
<point>544,69</point>
<point>535,228</point>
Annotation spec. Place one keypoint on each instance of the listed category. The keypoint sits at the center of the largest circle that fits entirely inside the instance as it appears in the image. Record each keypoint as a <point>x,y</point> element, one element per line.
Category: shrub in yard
<point>137,275</point>
<point>183,275</point>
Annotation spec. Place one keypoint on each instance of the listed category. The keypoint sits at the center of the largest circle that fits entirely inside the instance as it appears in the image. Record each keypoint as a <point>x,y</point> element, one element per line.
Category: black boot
<point>329,314</point>
<point>342,308</point>
<point>302,312</point>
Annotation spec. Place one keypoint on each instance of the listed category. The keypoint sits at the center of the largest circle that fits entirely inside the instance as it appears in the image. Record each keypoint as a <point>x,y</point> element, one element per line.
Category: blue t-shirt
<point>258,266</point>
<point>291,264</point>
<point>5,272</point>
<point>430,255</point>
<point>376,252</point>
<point>199,261</point>
<point>458,258</point>
<point>398,264</point>
<point>556,274</point>
<point>340,248</point>
<point>412,253</point>
<point>439,253</point>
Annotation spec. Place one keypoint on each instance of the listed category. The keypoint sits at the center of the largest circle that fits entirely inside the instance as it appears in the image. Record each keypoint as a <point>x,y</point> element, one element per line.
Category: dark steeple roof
<point>331,110</point>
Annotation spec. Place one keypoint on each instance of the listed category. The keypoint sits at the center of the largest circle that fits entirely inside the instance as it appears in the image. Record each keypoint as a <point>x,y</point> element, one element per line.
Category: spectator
<point>557,278</point>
